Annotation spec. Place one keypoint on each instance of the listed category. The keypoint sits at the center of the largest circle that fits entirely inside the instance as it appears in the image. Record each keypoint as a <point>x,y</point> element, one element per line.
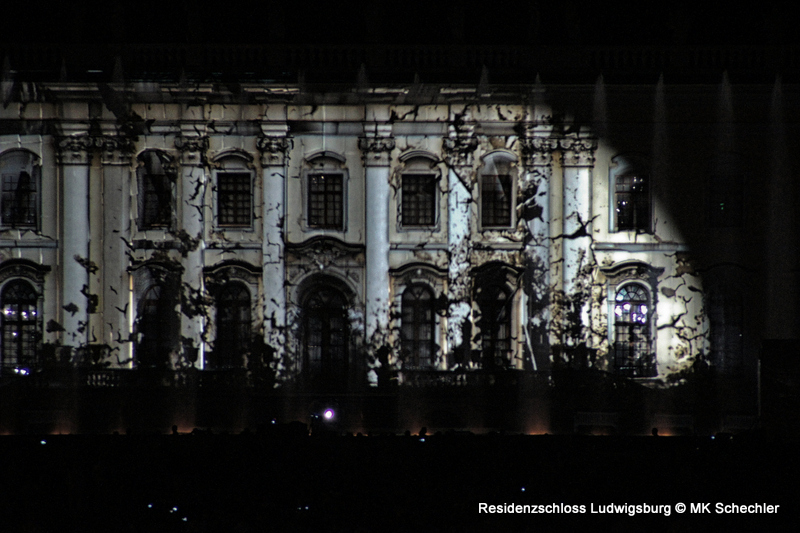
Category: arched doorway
<point>325,338</point>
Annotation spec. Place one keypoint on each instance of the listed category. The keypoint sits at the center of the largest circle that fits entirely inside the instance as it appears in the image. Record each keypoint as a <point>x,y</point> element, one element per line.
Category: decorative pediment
<point>22,268</point>
<point>233,270</point>
<point>325,251</point>
<point>627,270</point>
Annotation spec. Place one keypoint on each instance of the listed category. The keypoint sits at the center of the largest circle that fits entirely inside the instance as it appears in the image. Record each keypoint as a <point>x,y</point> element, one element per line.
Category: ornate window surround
<point>217,276</point>
<point>30,272</point>
<point>624,273</point>
<point>497,273</point>
<point>145,276</point>
<point>434,279</point>
<point>419,163</point>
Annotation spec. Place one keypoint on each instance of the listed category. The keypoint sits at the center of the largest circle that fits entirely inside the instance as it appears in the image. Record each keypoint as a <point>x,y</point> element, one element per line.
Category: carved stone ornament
<point>192,149</point>
<point>273,149</point>
<point>376,149</point>
<point>459,146</point>
<point>632,270</point>
<point>191,144</point>
<point>460,150</point>
<point>376,144</point>
<point>578,151</point>
<point>23,269</point>
<point>116,150</point>
<point>78,149</point>
<point>325,251</point>
<point>537,151</point>
<point>225,272</point>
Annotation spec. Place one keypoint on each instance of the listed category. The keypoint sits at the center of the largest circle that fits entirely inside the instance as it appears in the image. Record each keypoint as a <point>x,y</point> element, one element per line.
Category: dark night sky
<point>509,22</point>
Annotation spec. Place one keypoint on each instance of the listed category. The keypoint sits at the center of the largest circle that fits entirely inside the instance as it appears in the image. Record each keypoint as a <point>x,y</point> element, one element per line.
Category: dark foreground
<point>284,480</point>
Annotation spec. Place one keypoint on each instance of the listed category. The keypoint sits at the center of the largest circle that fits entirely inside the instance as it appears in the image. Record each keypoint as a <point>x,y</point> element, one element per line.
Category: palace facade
<point>338,238</point>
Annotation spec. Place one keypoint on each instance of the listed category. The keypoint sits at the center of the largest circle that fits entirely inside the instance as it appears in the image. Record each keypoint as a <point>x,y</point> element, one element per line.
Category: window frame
<point>234,162</point>
<point>337,374</point>
<point>624,166</point>
<point>146,278</point>
<point>630,361</point>
<point>240,344</point>
<point>434,179</point>
<point>490,315</point>
<point>169,175</point>
<point>507,163</point>
<point>247,177</point>
<point>325,163</point>
<point>32,167</point>
<point>32,326</point>
<point>326,195</point>
<point>411,358</point>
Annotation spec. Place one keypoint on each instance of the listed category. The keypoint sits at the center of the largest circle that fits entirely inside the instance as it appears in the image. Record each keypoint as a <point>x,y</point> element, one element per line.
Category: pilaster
<point>459,147</point>
<point>537,156</point>
<point>376,148</point>
<point>274,151</point>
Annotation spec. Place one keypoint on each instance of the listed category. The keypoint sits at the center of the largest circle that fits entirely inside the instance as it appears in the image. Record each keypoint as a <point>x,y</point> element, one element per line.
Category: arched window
<point>633,354</point>
<point>325,338</point>
<point>157,326</point>
<point>19,197</point>
<point>233,326</point>
<point>418,327</point>
<point>494,302</point>
<point>156,197</point>
<point>632,200</point>
<point>725,304</point>
<point>19,325</point>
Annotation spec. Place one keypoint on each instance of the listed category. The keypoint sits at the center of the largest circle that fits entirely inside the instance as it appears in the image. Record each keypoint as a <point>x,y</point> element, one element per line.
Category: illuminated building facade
<point>335,238</point>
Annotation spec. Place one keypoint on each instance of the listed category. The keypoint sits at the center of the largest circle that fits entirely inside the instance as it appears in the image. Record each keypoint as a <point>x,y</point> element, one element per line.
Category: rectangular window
<point>418,207</point>
<point>18,200</point>
<point>156,206</point>
<point>234,199</point>
<point>632,199</point>
<point>495,200</point>
<point>326,201</point>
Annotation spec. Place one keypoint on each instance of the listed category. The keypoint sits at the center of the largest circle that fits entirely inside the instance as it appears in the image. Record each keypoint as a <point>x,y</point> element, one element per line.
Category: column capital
<point>460,144</point>
<point>274,149</point>
<point>192,149</point>
<point>376,149</point>
<point>537,151</point>
<point>78,149</point>
<point>74,149</point>
<point>116,150</point>
<point>577,151</point>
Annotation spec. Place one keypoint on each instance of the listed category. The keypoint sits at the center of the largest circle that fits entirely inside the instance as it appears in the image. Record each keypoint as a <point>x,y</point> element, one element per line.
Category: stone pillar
<point>377,147</point>
<point>74,157</point>
<point>537,149</point>
<point>274,150</point>
<point>114,204</point>
<point>577,162</point>
<point>459,148</point>
<point>192,197</point>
